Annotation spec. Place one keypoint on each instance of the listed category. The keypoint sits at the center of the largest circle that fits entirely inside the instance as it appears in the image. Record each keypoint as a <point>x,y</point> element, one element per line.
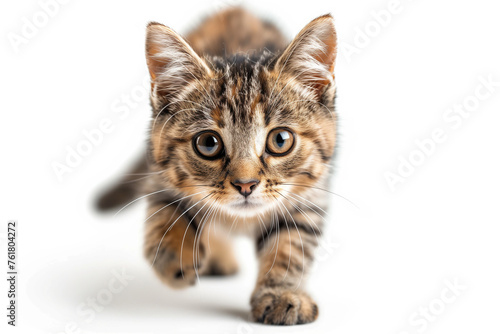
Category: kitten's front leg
<point>284,257</point>
<point>173,245</point>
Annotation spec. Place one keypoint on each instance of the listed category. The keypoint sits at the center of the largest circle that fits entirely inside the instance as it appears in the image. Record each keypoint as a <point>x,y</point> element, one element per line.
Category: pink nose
<point>245,187</point>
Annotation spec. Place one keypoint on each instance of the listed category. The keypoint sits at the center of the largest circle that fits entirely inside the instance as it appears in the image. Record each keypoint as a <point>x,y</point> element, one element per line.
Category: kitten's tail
<point>127,189</point>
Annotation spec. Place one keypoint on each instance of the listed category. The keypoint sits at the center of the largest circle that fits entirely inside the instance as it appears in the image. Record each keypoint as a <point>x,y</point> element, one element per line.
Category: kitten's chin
<point>247,207</point>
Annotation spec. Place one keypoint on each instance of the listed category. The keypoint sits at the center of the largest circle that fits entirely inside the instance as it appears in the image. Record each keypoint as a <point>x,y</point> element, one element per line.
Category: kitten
<point>242,133</point>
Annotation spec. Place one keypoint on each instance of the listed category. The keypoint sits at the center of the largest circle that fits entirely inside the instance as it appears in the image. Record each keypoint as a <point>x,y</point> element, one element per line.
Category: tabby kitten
<point>242,133</point>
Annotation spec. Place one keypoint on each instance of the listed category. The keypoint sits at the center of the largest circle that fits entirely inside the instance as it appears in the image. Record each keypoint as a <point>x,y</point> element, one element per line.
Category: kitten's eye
<point>208,145</point>
<point>280,141</point>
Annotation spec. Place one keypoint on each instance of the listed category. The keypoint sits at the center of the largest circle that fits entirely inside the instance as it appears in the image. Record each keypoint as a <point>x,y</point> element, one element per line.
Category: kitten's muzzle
<point>245,187</point>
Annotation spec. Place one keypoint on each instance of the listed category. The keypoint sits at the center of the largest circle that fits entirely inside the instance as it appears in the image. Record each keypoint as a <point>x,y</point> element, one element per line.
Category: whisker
<point>302,212</point>
<point>159,191</point>
<point>232,225</point>
<point>208,236</point>
<point>153,193</point>
<point>277,239</point>
<point>196,245</point>
<point>328,191</point>
<point>261,224</point>
<point>184,236</point>
<point>301,245</point>
<point>275,225</point>
<point>172,225</point>
<point>292,193</point>
<point>289,252</point>
<point>137,199</point>
<point>197,236</point>
<point>136,180</point>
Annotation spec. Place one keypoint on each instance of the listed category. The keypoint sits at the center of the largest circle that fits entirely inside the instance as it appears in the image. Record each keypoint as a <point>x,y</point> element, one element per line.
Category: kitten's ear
<point>172,63</point>
<point>310,57</point>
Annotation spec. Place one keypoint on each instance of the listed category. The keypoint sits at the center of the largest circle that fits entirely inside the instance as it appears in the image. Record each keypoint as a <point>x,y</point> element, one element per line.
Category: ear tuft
<point>171,61</point>
<point>310,57</point>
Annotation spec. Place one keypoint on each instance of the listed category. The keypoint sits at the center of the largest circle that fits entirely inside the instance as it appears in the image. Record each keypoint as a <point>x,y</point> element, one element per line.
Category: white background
<point>380,262</point>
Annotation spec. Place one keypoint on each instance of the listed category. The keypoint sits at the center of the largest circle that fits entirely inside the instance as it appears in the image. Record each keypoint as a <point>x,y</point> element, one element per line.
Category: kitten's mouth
<point>247,204</point>
<point>250,206</point>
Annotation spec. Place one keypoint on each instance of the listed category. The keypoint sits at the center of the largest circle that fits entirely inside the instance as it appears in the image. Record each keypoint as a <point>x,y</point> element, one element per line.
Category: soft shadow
<point>64,286</point>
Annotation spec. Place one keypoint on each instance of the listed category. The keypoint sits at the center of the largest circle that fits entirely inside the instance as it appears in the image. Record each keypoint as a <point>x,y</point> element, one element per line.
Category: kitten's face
<point>242,133</point>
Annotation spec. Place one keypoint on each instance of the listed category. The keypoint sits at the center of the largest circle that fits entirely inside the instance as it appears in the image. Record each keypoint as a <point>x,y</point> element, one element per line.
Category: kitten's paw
<point>215,268</point>
<point>221,259</point>
<point>176,273</point>
<point>275,306</point>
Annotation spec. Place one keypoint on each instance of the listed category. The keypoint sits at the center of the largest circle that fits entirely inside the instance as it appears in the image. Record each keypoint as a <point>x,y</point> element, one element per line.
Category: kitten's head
<point>246,131</point>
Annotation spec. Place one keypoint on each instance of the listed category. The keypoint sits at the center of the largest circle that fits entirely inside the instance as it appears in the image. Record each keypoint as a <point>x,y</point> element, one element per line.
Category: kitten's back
<point>233,31</point>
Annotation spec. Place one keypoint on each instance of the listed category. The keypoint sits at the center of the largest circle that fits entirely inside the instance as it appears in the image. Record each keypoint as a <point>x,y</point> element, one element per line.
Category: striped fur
<point>241,81</point>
